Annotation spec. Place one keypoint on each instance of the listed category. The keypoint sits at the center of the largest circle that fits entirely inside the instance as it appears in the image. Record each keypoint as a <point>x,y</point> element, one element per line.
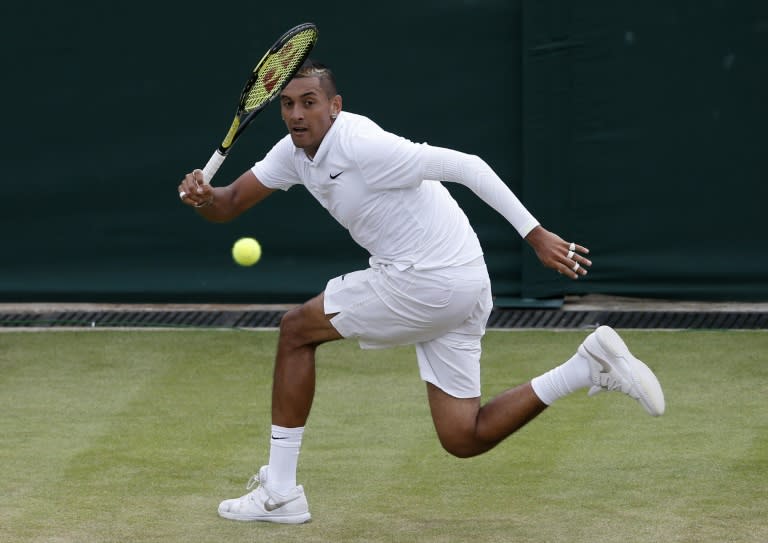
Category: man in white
<point>427,284</point>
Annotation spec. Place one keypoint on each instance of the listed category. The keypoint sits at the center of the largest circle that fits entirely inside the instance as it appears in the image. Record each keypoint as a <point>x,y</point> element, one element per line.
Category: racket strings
<point>278,67</point>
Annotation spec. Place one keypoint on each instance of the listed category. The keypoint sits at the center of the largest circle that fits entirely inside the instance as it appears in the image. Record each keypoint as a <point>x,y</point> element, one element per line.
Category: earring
<point>334,115</point>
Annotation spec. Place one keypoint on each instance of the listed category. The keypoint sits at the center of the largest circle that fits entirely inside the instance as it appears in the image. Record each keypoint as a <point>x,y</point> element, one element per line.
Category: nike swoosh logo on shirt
<point>338,174</point>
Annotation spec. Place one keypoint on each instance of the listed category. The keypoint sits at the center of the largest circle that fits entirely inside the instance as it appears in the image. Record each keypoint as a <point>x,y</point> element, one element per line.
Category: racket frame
<point>242,117</point>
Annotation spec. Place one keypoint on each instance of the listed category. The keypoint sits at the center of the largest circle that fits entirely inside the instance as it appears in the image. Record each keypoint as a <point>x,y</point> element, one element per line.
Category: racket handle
<point>213,165</point>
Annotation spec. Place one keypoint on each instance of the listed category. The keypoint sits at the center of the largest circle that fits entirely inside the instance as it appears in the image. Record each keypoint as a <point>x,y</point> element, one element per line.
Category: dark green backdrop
<point>634,128</point>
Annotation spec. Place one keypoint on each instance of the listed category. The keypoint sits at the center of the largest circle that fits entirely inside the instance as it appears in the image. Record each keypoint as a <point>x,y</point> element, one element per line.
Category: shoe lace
<point>253,482</point>
<point>610,383</point>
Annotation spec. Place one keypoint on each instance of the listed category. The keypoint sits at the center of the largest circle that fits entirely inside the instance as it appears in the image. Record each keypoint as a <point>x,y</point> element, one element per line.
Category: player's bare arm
<point>554,252</point>
<point>222,204</point>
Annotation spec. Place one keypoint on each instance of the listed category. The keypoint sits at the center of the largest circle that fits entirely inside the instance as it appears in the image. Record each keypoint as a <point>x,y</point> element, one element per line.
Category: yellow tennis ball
<point>246,251</point>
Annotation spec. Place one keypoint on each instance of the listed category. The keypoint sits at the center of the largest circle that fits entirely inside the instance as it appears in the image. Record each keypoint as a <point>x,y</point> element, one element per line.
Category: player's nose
<point>296,114</point>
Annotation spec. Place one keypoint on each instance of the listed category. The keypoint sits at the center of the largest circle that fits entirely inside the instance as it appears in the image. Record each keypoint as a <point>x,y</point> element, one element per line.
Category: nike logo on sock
<point>275,437</point>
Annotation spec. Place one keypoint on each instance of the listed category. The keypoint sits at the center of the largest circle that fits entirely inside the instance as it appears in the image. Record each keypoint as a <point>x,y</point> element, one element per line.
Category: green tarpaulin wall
<point>637,129</point>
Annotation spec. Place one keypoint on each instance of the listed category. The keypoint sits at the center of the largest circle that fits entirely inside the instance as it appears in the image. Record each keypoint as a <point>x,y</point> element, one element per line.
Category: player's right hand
<point>194,192</point>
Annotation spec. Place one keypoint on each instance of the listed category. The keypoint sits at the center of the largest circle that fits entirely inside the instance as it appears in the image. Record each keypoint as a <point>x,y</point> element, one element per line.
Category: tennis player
<point>426,284</point>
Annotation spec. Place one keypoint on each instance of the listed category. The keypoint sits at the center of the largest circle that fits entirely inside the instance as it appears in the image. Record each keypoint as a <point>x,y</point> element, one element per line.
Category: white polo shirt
<point>373,183</point>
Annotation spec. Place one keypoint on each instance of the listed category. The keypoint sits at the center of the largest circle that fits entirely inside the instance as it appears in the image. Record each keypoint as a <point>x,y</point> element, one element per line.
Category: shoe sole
<point>283,519</point>
<point>650,394</point>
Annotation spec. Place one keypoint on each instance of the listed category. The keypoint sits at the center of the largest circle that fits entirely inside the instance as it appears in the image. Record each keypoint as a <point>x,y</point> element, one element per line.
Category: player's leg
<point>465,428</point>
<point>450,365</point>
<point>278,498</point>
<point>302,330</point>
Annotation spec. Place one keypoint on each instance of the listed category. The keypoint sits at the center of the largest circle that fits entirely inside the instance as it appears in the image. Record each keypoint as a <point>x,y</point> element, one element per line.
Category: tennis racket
<point>270,76</point>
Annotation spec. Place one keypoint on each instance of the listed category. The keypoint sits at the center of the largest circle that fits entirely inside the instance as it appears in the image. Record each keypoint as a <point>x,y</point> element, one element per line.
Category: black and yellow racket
<point>270,76</point>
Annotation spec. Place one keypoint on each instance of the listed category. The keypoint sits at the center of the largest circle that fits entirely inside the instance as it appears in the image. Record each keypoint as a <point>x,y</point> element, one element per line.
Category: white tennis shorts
<point>442,312</point>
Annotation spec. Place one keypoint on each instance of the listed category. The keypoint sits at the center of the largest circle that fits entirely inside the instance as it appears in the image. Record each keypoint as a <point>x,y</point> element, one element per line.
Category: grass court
<point>125,435</point>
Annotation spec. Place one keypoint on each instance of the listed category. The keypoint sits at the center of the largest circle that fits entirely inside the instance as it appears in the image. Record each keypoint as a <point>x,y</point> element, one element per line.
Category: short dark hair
<point>312,68</point>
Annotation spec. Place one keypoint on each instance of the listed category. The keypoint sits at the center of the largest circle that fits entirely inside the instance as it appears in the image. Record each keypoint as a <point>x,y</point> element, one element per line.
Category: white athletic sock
<point>285,444</point>
<point>562,380</point>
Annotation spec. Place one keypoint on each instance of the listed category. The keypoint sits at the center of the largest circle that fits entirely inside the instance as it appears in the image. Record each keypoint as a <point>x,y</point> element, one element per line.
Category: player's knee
<point>292,326</point>
<point>459,450</point>
<point>305,326</point>
<point>461,444</point>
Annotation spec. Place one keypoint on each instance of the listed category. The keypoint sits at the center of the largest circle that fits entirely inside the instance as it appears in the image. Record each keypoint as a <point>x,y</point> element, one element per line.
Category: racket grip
<point>213,165</point>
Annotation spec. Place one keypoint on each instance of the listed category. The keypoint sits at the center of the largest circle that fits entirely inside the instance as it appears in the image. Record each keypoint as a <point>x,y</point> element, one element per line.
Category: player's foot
<point>613,367</point>
<point>267,505</point>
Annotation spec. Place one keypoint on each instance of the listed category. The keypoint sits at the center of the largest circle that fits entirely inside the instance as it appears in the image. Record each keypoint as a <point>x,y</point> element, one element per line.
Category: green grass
<point>137,435</point>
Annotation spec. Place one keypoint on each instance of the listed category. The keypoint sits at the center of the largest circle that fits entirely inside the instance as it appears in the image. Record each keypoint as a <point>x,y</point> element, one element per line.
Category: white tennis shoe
<point>263,504</point>
<point>613,367</point>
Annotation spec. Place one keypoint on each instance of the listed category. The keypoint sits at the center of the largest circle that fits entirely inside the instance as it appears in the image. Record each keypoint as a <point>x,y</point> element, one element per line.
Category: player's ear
<point>335,106</point>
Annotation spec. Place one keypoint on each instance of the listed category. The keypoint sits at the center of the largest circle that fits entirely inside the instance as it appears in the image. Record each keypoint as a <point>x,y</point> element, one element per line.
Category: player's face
<point>307,112</point>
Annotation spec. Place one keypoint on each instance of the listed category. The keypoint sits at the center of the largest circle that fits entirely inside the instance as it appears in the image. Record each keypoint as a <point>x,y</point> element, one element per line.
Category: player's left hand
<point>567,258</point>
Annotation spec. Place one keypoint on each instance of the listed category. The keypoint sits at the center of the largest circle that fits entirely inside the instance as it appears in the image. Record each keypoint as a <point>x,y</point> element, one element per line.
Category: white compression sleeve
<point>443,164</point>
